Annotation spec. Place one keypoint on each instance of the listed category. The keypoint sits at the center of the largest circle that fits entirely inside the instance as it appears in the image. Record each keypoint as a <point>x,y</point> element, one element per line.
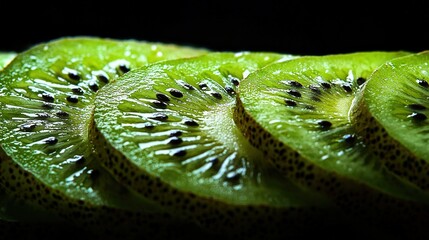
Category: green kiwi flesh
<point>46,97</point>
<point>10,209</point>
<point>17,218</point>
<point>166,131</point>
<point>391,113</point>
<point>5,58</point>
<point>297,112</point>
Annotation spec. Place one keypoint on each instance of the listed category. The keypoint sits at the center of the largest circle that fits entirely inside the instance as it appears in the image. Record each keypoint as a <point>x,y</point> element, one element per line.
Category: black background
<point>281,26</point>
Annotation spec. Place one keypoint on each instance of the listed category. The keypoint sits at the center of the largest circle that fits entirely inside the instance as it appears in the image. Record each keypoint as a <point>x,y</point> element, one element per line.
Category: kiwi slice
<point>391,115</point>
<point>46,97</point>
<point>5,58</point>
<point>166,131</point>
<point>297,112</point>
<point>11,210</point>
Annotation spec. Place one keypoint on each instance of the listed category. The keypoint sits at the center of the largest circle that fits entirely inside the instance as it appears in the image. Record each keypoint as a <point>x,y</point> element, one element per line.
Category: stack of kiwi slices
<point>47,96</point>
<point>125,139</point>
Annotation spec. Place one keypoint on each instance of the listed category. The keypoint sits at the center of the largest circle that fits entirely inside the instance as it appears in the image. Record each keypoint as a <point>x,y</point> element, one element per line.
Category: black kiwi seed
<point>159,104</point>
<point>175,92</point>
<point>47,97</point>
<point>417,116</point>
<point>309,107</point>
<point>72,99</point>
<point>93,86</point>
<point>51,140</point>
<point>62,114</point>
<point>162,97</point>
<point>186,85</point>
<point>316,99</point>
<point>324,125</point>
<point>180,153</point>
<point>233,177</point>
<point>347,88</point>
<point>416,106</point>
<point>191,123</point>
<point>176,133</point>
<point>203,86</point>
<point>314,88</point>
<point>422,83</point>
<point>149,126</point>
<point>77,91</point>
<point>293,83</point>
<point>175,141</point>
<point>349,138</point>
<point>42,115</point>
<point>213,160</point>
<point>290,102</point>
<point>159,116</point>
<point>123,68</point>
<point>325,85</point>
<point>230,90</point>
<point>79,159</point>
<point>294,93</point>
<point>28,127</point>
<point>103,77</point>
<point>93,174</point>
<point>234,80</point>
<point>73,75</point>
<point>360,81</point>
<point>216,95</point>
<point>47,106</point>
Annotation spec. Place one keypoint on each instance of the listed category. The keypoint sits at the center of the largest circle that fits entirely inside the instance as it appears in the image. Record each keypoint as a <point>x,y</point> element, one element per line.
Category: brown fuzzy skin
<point>357,199</point>
<point>393,155</point>
<point>249,222</point>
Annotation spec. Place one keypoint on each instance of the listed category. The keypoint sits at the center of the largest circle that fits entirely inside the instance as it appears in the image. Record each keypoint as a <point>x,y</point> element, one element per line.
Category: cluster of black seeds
<point>163,99</point>
<point>417,114</point>
<point>74,78</point>
<point>52,109</point>
<point>297,90</point>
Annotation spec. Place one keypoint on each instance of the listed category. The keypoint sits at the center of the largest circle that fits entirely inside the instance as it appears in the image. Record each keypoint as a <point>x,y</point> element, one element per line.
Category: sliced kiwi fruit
<point>297,112</point>
<point>166,131</point>
<point>391,115</point>
<point>5,58</point>
<point>46,97</point>
<point>17,217</point>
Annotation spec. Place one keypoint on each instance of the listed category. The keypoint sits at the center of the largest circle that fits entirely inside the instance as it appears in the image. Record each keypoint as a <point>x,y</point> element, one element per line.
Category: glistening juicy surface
<point>392,113</point>
<point>46,96</point>
<point>297,112</point>
<point>169,134</point>
<point>5,58</point>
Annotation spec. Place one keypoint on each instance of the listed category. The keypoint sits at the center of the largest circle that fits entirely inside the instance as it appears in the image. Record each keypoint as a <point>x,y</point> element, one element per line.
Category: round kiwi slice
<point>17,217</point>
<point>297,112</point>
<point>391,115</point>
<point>5,58</point>
<point>46,97</point>
<point>166,131</point>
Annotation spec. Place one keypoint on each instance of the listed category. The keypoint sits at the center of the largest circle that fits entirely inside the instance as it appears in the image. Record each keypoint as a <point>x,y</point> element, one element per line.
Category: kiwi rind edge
<point>254,131</point>
<point>95,215</point>
<point>394,155</point>
<point>113,157</point>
